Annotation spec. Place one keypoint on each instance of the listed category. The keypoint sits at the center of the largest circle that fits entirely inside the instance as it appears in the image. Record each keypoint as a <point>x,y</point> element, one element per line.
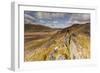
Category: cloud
<point>55,19</point>
<point>27,16</point>
<point>29,19</point>
<point>79,18</point>
<point>49,15</point>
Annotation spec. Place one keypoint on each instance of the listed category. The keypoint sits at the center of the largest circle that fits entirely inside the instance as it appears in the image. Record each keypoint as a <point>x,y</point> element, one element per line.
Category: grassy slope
<point>78,48</point>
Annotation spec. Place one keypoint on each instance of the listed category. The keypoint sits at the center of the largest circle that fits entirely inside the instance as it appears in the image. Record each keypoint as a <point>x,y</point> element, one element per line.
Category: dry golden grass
<point>42,49</point>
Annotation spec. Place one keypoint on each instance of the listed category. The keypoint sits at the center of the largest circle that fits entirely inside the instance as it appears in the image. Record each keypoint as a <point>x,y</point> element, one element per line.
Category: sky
<point>55,19</point>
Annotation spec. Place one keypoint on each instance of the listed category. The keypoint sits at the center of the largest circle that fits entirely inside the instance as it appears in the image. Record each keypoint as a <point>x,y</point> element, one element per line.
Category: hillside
<point>37,28</point>
<point>69,43</point>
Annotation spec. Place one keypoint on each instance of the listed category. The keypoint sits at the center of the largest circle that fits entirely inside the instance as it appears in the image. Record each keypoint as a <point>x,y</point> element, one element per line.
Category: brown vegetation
<point>44,43</point>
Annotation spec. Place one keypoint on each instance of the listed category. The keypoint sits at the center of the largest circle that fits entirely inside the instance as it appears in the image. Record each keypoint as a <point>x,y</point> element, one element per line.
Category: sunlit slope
<point>69,43</point>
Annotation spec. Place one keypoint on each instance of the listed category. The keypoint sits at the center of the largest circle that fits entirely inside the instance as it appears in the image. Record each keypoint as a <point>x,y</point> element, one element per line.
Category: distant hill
<point>37,28</point>
<point>78,27</point>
